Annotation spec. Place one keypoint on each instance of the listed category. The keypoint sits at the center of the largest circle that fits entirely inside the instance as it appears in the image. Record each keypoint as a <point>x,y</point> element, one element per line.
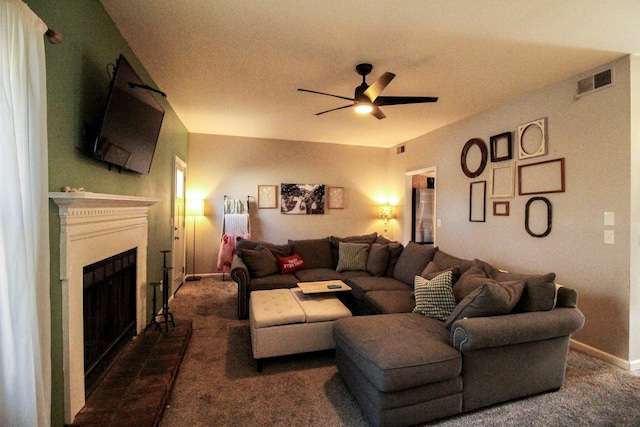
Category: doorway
<point>421,191</point>
<point>178,223</point>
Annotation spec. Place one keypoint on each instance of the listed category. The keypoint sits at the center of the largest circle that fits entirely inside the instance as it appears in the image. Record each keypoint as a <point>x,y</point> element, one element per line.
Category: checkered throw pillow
<point>434,298</point>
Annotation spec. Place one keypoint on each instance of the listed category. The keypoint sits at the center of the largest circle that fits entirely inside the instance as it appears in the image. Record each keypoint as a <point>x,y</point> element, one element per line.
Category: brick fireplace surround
<point>94,227</point>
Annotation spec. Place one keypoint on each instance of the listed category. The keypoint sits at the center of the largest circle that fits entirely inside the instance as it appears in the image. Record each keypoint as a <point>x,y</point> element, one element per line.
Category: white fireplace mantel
<point>93,227</point>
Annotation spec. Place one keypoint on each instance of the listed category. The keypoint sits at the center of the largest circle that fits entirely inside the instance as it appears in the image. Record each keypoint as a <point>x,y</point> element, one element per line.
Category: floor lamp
<point>195,208</point>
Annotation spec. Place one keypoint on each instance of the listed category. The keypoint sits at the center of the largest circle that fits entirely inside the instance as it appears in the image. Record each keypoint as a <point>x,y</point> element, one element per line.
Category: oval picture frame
<point>465,151</point>
<point>549,216</point>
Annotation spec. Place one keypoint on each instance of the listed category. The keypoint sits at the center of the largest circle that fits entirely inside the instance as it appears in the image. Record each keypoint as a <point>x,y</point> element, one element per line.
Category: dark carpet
<point>218,384</point>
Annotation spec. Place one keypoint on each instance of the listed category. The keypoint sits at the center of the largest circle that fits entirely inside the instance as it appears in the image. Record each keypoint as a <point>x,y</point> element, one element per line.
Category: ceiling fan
<point>367,99</point>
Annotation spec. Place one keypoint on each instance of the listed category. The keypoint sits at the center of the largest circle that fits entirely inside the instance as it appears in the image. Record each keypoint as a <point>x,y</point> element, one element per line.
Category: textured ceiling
<point>232,67</point>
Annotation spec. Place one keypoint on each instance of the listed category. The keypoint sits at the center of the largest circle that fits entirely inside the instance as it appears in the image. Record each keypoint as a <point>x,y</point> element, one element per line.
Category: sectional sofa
<point>433,335</point>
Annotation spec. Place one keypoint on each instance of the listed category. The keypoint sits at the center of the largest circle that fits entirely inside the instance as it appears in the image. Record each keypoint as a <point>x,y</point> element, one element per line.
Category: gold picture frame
<point>267,196</point>
<point>336,197</point>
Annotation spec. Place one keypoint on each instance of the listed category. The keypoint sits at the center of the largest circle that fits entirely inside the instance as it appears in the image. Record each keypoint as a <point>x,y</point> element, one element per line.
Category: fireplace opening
<point>109,304</point>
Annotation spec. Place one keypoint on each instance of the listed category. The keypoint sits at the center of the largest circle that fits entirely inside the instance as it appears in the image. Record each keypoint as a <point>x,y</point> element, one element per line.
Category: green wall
<point>77,81</point>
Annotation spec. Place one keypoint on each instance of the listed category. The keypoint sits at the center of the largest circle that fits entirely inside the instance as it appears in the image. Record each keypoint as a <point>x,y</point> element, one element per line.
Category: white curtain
<point>25,319</point>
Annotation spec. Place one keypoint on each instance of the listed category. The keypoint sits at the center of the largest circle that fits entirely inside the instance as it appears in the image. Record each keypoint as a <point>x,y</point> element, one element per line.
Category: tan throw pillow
<point>352,257</point>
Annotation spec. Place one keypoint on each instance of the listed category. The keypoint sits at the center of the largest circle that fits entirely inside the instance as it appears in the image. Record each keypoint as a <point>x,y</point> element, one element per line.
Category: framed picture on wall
<point>501,181</point>
<point>477,201</point>
<point>542,177</point>
<point>336,197</point>
<point>302,199</point>
<point>267,196</point>
<point>501,147</point>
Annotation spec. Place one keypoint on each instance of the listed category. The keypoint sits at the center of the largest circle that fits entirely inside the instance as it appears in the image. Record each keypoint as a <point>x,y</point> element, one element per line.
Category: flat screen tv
<point>128,134</point>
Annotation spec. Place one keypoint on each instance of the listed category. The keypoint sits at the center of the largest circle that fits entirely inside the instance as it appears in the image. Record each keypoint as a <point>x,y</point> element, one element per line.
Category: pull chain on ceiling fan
<point>367,99</point>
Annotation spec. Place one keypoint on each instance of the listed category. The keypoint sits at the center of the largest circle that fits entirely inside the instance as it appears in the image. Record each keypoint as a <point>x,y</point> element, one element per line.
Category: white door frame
<point>178,224</point>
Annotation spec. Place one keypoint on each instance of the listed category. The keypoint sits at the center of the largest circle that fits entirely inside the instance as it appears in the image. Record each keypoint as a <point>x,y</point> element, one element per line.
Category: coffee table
<point>323,286</point>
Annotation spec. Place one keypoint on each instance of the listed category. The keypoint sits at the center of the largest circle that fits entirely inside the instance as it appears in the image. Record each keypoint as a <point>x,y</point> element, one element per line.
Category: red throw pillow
<point>289,264</point>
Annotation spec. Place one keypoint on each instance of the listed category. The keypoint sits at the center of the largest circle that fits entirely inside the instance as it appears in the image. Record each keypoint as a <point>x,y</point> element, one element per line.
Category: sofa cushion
<point>362,285</point>
<point>413,259</point>
<point>386,302</point>
<point>275,281</point>
<point>539,291</point>
<point>352,256</point>
<point>290,264</point>
<point>490,299</point>
<point>378,260</point>
<point>246,244</point>
<point>472,279</point>
<point>434,298</point>
<point>318,274</point>
<point>445,260</point>
<point>316,253</point>
<point>398,351</point>
<point>395,250</point>
<point>261,262</point>
<point>350,274</point>
<point>278,250</point>
<point>432,270</point>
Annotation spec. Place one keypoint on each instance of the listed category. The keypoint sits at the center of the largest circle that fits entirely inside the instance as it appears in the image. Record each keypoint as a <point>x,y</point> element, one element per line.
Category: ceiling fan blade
<point>327,94</point>
<point>377,113</point>
<point>334,109</point>
<point>397,100</point>
<point>378,86</point>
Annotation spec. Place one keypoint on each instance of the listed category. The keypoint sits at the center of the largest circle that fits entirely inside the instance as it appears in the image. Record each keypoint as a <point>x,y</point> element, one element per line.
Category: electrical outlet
<point>608,237</point>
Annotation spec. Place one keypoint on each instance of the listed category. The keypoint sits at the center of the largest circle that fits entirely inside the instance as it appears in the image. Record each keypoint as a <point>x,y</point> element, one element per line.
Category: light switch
<point>438,222</point>
<point>608,237</point>
<point>609,218</point>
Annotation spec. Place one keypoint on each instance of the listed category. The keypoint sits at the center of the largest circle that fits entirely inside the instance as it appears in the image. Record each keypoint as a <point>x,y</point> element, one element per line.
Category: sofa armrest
<point>240,275</point>
<point>494,331</point>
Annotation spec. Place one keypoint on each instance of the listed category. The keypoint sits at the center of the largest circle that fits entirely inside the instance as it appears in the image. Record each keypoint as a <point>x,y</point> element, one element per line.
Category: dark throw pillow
<point>490,299</point>
<point>413,259</point>
<point>539,290</point>
<point>378,261</point>
<point>261,262</point>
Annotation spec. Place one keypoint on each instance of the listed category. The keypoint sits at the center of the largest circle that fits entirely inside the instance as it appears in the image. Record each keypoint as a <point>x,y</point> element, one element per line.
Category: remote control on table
<point>334,286</point>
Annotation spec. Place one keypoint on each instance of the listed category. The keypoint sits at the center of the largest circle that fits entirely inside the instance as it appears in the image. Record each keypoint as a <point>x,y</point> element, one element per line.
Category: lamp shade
<point>195,207</point>
<point>386,212</point>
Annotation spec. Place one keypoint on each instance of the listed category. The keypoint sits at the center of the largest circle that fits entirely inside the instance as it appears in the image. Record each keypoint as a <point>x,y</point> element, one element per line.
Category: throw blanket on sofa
<point>228,249</point>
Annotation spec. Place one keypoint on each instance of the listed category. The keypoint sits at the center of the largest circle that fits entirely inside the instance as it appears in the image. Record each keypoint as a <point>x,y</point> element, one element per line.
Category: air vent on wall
<point>595,82</point>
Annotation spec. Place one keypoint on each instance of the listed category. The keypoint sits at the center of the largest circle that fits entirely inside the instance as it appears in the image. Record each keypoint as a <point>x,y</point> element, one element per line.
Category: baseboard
<point>210,275</point>
<point>609,358</point>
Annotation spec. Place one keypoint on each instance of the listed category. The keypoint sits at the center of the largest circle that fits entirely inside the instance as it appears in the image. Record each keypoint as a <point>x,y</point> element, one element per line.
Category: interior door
<point>179,224</point>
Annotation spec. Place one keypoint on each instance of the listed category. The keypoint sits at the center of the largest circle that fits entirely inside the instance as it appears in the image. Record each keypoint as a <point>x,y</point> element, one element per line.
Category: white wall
<point>235,166</point>
<point>593,135</point>
<point>634,300</point>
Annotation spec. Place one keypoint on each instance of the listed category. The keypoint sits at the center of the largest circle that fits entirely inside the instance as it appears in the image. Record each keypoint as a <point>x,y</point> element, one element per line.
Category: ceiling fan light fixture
<point>364,108</point>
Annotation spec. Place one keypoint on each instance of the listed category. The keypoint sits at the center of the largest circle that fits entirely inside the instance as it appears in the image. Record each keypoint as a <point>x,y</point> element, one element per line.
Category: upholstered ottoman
<point>400,368</point>
<point>286,321</point>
